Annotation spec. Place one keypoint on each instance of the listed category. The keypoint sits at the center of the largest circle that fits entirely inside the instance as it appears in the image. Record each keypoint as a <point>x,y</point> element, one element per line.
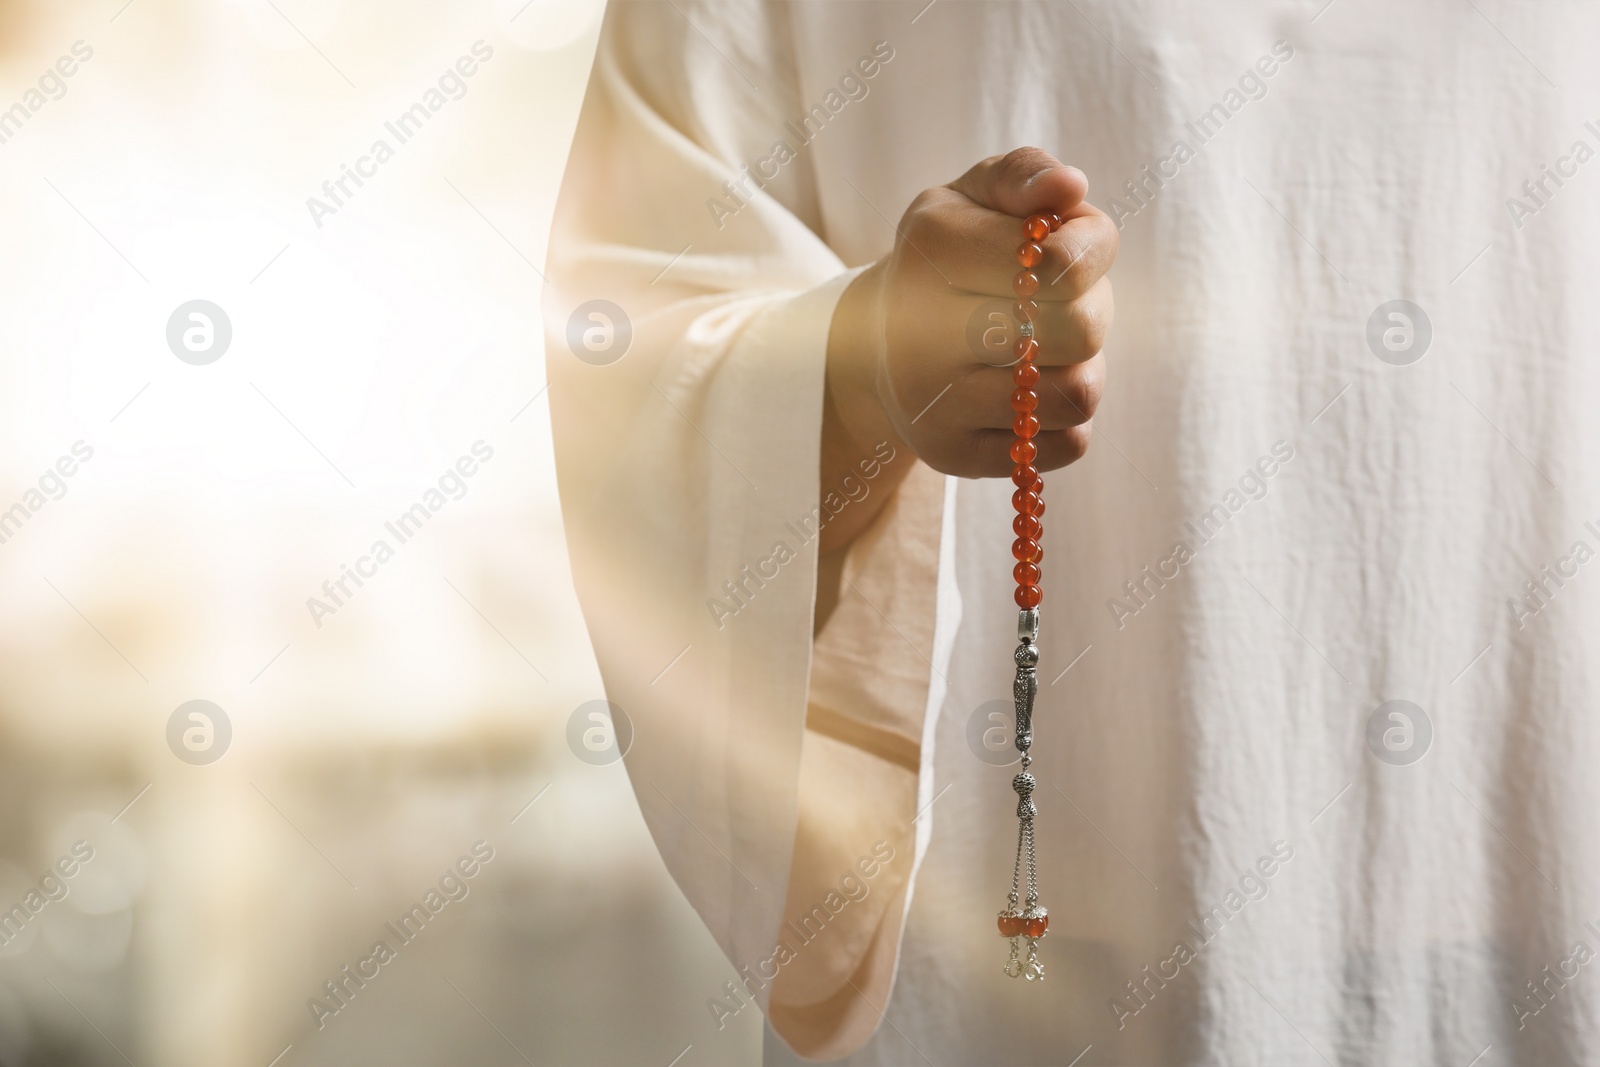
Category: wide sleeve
<point>690,296</point>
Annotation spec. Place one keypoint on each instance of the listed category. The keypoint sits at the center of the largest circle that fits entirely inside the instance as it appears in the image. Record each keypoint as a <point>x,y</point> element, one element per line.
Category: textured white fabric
<point>1353,531</point>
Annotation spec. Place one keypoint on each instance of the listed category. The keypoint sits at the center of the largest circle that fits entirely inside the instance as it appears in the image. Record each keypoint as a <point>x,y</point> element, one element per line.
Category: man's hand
<point>900,366</point>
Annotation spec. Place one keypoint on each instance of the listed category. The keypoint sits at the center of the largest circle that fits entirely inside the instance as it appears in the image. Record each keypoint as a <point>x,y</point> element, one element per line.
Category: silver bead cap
<point>1028,624</point>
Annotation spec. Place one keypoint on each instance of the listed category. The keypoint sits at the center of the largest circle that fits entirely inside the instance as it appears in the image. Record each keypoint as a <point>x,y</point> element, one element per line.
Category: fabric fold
<point>686,360</point>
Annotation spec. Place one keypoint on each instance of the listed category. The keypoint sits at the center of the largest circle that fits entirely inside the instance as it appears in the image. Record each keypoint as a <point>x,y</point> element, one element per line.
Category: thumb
<point>1023,182</point>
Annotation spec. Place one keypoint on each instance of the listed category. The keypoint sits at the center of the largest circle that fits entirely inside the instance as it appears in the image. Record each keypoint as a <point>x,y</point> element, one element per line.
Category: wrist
<point>856,422</point>
<point>855,399</point>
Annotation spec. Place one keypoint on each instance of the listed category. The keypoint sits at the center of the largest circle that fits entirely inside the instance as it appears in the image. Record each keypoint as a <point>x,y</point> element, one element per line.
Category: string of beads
<point>1028,500</point>
<point>1023,918</point>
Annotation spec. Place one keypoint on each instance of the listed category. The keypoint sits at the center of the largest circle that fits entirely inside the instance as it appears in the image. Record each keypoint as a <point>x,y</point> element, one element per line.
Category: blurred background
<point>215,395</point>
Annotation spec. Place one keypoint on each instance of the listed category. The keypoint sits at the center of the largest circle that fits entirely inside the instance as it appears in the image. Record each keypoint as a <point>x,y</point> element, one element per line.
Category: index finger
<point>977,248</point>
<point>1023,182</point>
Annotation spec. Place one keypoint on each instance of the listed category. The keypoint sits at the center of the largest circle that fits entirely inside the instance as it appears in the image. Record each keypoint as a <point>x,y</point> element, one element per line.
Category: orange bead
<point>1028,596</point>
<point>1054,220</point>
<point>1025,310</point>
<point>1011,925</point>
<point>1037,227</point>
<point>1036,926</point>
<point>1025,348</point>
<point>1026,573</point>
<point>1025,476</point>
<point>1027,526</point>
<point>1026,283</point>
<point>1029,254</point>
<point>1025,550</point>
<point>1023,451</point>
<point>1025,425</point>
<point>1025,374</point>
<point>1024,400</point>
<point>1025,502</point>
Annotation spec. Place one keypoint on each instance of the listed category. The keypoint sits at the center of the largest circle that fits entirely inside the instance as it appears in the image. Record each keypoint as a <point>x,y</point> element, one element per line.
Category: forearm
<point>857,433</point>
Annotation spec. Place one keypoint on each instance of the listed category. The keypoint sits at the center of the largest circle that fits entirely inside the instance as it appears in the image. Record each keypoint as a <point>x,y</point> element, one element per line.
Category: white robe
<point>1355,529</point>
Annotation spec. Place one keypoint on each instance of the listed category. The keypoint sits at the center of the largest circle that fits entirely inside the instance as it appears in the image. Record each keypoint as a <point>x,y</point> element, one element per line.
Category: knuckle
<point>984,454</point>
<point>1060,448</point>
<point>1020,164</point>
<point>1101,232</point>
<point>920,212</point>
<point>1075,269</point>
<point>1080,272</point>
<point>1019,156</point>
<point>990,459</point>
<point>1085,257</point>
<point>950,454</point>
<point>1076,441</point>
<point>1094,388</point>
<point>1090,323</point>
<point>1111,238</point>
<point>1080,395</point>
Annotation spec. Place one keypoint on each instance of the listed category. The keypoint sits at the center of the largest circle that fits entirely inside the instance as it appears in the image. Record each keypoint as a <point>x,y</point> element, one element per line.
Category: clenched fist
<point>900,365</point>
